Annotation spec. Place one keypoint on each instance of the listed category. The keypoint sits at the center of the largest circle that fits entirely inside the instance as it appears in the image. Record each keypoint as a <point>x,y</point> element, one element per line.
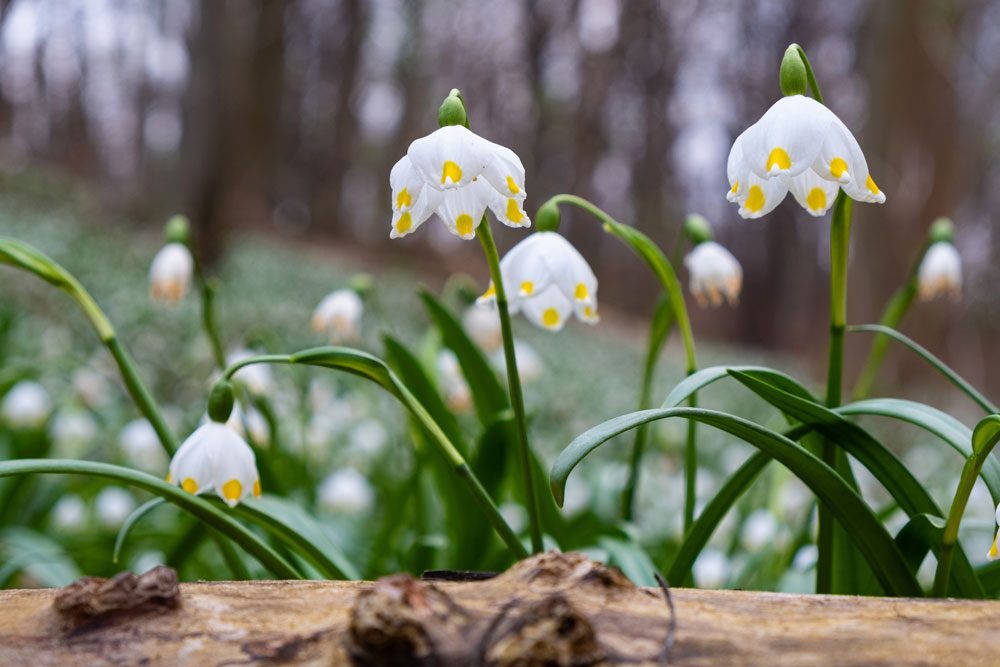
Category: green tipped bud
<point>362,283</point>
<point>452,111</point>
<point>220,401</point>
<point>697,229</point>
<point>177,230</point>
<point>793,72</point>
<point>941,229</point>
<point>547,217</point>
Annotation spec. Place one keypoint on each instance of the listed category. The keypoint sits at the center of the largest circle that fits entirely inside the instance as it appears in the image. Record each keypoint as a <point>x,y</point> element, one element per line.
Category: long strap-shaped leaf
<point>198,507</point>
<point>871,537</point>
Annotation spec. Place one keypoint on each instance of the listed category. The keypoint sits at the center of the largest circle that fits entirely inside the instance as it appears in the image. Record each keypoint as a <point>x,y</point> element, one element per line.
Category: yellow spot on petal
<point>490,292</point>
<point>755,199</point>
<point>404,223</point>
<point>256,489</point>
<point>992,555</point>
<point>816,199</point>
<point>512,186</point>
<point>527,287</point>
<point>838,167</point>
<point>778,158</point>
<point>589,313</point>
<point>514,213</point>
<point>736,186</point>
<point>464,224</point>
<point>232,490</point>
<point>170,478</point>
<point>870,184</point>
<point>404,198</point>
<point>550,317</point>
<point>581,292</point>
<point>189,485</point>
<point>450,171</point>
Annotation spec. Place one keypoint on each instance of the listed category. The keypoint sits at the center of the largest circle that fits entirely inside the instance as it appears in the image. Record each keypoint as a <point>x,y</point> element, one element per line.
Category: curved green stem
<point>371,368</point>
<point>643,246</point>
<point>513,382</point>
<point>26,257</point>
<point>208,321</point>
<point>810,76</point>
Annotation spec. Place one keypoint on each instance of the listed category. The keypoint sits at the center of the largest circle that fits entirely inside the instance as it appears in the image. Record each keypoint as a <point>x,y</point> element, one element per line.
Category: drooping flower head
<point>714,273</point>
<point>548,280</point>
<point>940,272</point>
<point>798,145</point>
<point>456,174</point>
<point>339,315</point>
<point>170,273</point>
<point>215,457</point>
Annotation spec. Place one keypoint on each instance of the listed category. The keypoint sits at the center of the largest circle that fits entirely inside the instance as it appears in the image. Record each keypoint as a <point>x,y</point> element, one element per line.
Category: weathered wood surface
<point>310,623</point>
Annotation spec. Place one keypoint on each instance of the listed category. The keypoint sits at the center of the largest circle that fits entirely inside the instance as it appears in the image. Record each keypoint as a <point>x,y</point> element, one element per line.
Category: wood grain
<point>309,623</point>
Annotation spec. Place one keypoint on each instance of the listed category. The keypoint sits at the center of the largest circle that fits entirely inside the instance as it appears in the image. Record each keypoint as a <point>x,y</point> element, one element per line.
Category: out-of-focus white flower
<point>482,324</point>
<point>141,445</point>
<point>458,175</point>
<point>147,560</point>
<point>91,386</point>
<point>714,274</point>
<point>545,277</point>
<point>339,315</point>
<point>69,514</point>
<point>257,378</point>
<point>170,273</point>
<point>759,530</point>
<point>216,457</point>
<point>346,490</point>
<point>529,365</point>
<point>457,393</point>
<point>711,569</point>
<point>253,421</point>
<point>368,437</point>
<point>805,558</point>
<point>113,505</point>
<point>940,272</point>
<point>993,554</point>
<point>27,405</point>
<point>72,430</point>
<point>801,146</point>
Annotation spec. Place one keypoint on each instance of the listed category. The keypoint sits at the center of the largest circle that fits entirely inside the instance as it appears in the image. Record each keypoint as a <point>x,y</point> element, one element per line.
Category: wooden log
<point>551,609</point>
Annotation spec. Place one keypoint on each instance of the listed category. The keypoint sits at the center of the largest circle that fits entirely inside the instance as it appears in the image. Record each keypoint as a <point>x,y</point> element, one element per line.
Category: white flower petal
<point>714,273</point>
<point>761,196</point>
<point>170,273</point>
<point>787,138</point>
<point>339,314</point>
<point>840,157</point>
<point>510,211</point>
<point>549,309</point>
<point>816,195</point>
<point>505,172</point>
<point>406,221</point>
<point>216,457</point>
<point>450,157</point>
<point>406,183</point>
<point>940,272</point>
<point>737,170</point>
<point>462,210</point>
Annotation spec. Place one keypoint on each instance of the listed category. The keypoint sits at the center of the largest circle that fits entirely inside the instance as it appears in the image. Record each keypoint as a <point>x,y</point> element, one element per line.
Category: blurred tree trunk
<point>232,117</point>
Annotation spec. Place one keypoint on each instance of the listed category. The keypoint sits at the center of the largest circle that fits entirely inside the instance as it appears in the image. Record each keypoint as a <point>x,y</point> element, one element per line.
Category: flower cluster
<point>800,146</point>
<point>458,175</point>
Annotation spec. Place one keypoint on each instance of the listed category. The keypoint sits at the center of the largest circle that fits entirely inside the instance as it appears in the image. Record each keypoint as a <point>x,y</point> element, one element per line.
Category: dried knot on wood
<point>90,598</point>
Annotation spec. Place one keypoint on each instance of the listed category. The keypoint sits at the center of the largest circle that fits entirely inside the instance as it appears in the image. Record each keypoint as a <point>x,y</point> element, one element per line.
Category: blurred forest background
<point>283,117</point>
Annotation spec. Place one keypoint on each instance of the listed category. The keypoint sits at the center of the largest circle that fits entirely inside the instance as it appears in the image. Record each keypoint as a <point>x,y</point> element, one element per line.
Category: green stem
<point>208,321</point>
<point>664,270</point>
<point>143,399</point>
<point>950,535</point>
<point>459,465</point>
<point>513,382</point>
<point>810,76</point>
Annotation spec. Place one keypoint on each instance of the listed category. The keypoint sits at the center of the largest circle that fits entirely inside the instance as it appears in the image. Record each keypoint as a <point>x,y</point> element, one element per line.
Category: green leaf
<point>921,534</point>
<point>706,376</point>
<point>985,437</point>
<point>130,522</point>
<point>200,508</point>
<point>301,533</point>
<point>350,361</point>
<point>847,507</point>
<point>631,559</point>
<point>44,559</point>
<point>947,428</point>
<point>23,256</point>
<point>939,365</point>
<point>488,393</point>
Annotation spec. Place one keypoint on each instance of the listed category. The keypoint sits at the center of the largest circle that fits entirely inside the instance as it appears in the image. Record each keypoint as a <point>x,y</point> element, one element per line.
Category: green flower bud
<point>697,229</point>
<point>941,229</point>
<point>220,401</point>
<point>177,230</point>
<point>547,217</point>
<point>452,111</point>
<point>793,72</point>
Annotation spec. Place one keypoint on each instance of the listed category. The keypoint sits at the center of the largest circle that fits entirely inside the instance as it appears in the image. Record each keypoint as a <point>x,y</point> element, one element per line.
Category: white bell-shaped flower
<point>346,490</point>
<point>216,457</point>
<point>483,327</point>
<point>548,280</point>
<point>714,274</point>
<point>170,273</point>
<point>801,146</point>
<point>458,175</point>
<point>339,314</point>
<point>27,405</point>
<point>940,272</point>
<point>112,506</point>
